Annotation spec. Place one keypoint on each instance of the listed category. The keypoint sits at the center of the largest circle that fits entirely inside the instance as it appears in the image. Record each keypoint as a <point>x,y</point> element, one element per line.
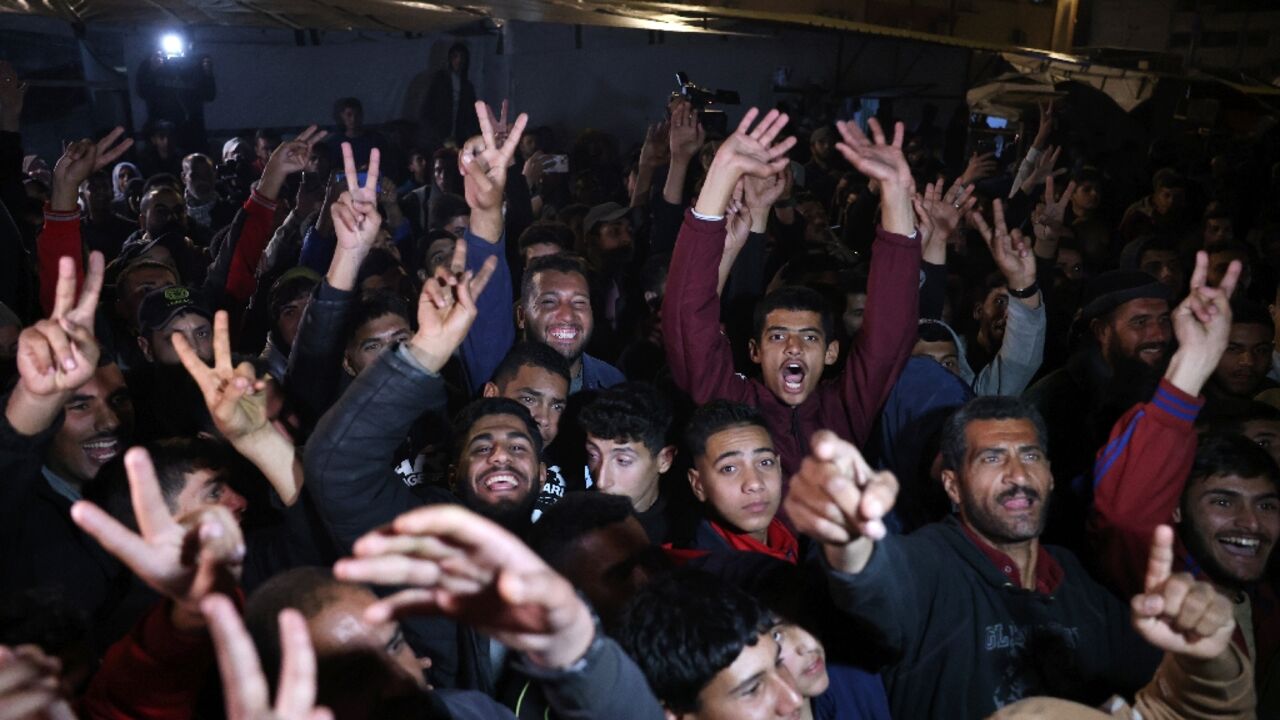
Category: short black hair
<point>445,208</point>
<point>715,416</point>
<point>572,517</point>
<point>342,104</point>
<point>793,297</point>
<point>1251,411</point>
<point>306,589</point>
<point>377,262</point>
<point>987,407</point>
<point>1222,453</point>
<point>547,232</point>
<point>684,629</point>
<point>173,458</point>
<point>165,180</point>
<point>526,353</point>
<point>634,411</point>
<point>1247,312</point>
<point>560,262</point>
<point>372,306</point>
<point>486,406</point>
<point>267,134</point>
<point>285,291</point>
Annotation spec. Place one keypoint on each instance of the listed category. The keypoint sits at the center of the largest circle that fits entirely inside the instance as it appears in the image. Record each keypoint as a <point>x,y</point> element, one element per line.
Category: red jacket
<point>59,237</point>
<point>1138,481</point>
<point>702,362</point>
<point>156,672</point>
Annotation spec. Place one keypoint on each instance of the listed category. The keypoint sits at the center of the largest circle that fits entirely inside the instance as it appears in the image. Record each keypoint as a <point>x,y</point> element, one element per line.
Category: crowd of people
<point>795,421</point>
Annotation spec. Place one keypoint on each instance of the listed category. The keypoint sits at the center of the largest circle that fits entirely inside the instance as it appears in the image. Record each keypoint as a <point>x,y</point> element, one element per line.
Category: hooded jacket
<point>1019,358</point>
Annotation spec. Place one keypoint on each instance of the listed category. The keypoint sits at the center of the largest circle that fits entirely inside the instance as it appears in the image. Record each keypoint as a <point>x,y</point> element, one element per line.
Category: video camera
<point>713,121</point>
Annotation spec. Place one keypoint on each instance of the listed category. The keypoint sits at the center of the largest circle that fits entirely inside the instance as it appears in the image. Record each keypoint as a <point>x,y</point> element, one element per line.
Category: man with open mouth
<point>1221,490</point>
<point>793,333</point>
<point>65,419</point>
<point>976,611</point>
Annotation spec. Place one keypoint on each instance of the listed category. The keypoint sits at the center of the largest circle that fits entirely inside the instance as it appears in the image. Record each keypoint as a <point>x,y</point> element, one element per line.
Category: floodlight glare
<point>172,45</point>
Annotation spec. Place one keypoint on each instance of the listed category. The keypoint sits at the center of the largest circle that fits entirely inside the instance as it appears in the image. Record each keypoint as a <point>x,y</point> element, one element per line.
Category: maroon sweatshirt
<point>702,362</point>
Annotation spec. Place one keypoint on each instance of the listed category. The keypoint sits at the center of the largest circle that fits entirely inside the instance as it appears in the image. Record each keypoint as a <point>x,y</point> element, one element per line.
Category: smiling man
<point>64,420</point>
<point>555,309</point>
<point>499,471</point>
<point>1219,490</point>
<point>1130,341</point>
<point>737,477</point>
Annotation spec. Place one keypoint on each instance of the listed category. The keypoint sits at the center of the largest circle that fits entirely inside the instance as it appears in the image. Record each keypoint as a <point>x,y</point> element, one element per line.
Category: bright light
<point>172,45</point>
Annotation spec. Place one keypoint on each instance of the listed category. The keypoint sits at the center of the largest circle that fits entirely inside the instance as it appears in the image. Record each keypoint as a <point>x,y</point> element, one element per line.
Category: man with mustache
<point>975,611</point>
<point>1126,313</point>
<point>1222,496</point>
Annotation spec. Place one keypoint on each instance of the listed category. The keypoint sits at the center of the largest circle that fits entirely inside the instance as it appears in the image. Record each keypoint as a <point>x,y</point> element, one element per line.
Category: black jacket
<point>43,548</point>
<point>969,642</point>
<point>348,461</point>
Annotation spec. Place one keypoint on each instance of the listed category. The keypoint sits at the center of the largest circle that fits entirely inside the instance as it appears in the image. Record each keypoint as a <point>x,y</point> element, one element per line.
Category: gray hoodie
<point>1021,352</point>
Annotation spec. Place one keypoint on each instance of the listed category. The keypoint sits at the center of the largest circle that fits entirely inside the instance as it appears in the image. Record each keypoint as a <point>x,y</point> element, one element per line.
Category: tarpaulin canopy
<point>709,16</point>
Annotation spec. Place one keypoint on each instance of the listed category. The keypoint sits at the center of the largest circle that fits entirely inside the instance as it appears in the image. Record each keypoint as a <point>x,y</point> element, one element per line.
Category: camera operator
<point>175,88</point>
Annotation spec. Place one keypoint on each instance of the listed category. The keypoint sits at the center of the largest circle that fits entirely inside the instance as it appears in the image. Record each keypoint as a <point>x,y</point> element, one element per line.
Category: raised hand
<point>838,500</point>
<point>979,167</point>
<point>684,134</point>
<point>1177,613</point>
<point>368,191</point>
<point>233,393</point>
<point>288,158</point>
<point>1046,125</point>
<point>656,150</point>
<point>1008,248</point>
<point>237,400</point>
<point>1043,169</point>
<point>748,151</point>
<point>1052,214</point>
<point>738,224</point>
<point>244,687</point>
<point>59,354</point>
<point>760,193</point>
<point>875,157</point>
<point>79,160</point>
<point>447,307</point>
<point>883,162</point>
<point>484,162</point>
<point>458,564</point>
<point>939,216</point>
<point>1202,324</point>
<point>292,156</point>
<point>30,685</point>
<point>184,559</point>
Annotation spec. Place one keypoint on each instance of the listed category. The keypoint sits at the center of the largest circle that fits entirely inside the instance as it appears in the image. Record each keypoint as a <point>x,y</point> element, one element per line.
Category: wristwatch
<point>1026,292</point>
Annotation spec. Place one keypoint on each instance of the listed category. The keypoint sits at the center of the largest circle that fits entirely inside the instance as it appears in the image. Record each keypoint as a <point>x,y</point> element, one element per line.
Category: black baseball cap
<point>162,305</point>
